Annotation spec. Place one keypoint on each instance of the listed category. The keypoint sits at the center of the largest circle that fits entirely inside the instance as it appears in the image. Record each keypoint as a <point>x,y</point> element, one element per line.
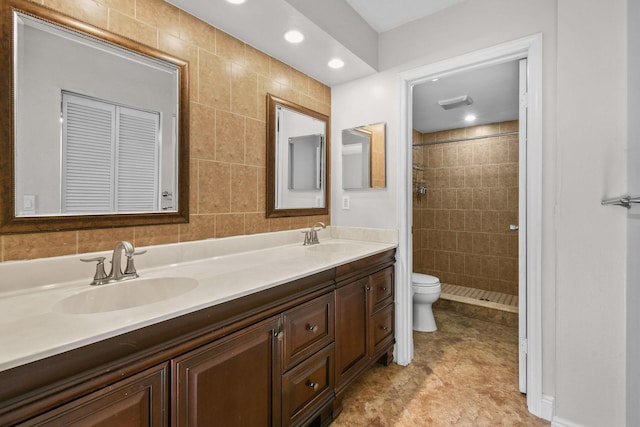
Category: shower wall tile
<point>229,81</point>
<point>462,224</point>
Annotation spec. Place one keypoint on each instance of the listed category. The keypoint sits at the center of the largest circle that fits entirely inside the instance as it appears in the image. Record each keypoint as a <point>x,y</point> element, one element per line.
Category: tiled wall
<point>461,226</point>
<point>229,81</point>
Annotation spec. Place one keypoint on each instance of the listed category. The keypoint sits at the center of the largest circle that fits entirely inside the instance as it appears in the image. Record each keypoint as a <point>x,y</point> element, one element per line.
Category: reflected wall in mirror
<point>297,160</point>
<point>363,157</point>
<point>98,127</point>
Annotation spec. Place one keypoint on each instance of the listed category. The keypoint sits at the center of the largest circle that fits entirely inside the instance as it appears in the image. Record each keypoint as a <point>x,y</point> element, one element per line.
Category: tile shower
<point>461,223</point>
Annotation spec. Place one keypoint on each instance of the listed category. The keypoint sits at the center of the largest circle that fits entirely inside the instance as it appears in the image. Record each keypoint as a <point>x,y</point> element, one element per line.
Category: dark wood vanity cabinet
<point>234,381</point>
<point>140,400</point>
<point>280,357</point>
<point>365,321</point>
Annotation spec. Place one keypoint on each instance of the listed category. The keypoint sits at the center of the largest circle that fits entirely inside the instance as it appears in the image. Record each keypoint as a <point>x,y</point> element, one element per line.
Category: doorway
<point>531,49</point>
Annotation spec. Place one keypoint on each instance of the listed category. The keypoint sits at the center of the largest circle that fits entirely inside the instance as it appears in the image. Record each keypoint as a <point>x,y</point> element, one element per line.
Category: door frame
<point>529,47</point>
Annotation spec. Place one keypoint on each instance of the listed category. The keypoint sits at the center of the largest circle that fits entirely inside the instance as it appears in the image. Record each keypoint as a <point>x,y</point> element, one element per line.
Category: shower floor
<point>480,304</point>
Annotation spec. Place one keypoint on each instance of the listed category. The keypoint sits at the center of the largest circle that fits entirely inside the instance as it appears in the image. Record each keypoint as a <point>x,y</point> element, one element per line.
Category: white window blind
<point>110,157</point>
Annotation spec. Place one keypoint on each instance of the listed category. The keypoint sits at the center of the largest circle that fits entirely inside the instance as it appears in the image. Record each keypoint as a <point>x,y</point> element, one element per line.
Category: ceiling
<point>349,29</point>
<point>385,15</point>
<point>494,91</point>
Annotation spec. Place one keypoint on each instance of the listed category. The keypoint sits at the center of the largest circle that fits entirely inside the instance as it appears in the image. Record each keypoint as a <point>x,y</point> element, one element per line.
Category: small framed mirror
<point>364,157</point>
<point>95,126</point>
<point>297,160</point>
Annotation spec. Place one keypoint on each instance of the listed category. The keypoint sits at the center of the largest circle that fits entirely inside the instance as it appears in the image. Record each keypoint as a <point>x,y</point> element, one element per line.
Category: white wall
<point>633,236</point>
<point>591,143</point>
<point>584,127</point>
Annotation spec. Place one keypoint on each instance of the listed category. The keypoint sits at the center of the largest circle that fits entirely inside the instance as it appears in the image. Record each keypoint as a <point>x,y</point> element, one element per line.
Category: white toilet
<point>426,291</point>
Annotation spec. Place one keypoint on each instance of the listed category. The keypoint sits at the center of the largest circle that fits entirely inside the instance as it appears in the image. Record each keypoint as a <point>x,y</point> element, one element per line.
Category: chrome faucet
<point>311,235</point>
<point>116,274</point>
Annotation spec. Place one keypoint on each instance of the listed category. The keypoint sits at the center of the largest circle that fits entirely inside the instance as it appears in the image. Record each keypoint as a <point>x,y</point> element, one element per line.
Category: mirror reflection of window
<point>110,157</point>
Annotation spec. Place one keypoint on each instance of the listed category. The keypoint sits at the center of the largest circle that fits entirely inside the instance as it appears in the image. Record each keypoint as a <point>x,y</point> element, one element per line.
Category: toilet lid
<point>424,279</point>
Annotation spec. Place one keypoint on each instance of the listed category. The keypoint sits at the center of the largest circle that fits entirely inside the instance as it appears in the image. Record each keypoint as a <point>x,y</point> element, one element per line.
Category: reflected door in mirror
<point>363,157</point>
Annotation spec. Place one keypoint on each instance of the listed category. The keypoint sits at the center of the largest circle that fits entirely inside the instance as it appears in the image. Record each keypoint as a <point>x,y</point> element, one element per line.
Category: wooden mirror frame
<point>9,222</point>
<point>271,210</point>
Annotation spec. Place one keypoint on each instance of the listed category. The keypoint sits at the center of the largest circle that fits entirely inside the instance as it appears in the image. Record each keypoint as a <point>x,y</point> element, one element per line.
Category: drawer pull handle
<point>369,288</point>
<point>313,328</point>
<point>385,328</point>
<point>280,336</point>
<point>385,289</point>
<point>313,385</point>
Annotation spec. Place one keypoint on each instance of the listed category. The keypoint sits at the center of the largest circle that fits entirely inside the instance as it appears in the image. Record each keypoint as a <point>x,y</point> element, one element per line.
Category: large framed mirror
<point>364,157</point>
<point>94,126</point>
<point>297,160</point>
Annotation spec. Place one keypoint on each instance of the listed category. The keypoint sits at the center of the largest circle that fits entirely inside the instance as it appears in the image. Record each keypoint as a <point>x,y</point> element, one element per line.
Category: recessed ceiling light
<point>469,118</point>
<point>293,36</point>
<point>236,1</point>
<point>336,63</point>
<point>434,80</point>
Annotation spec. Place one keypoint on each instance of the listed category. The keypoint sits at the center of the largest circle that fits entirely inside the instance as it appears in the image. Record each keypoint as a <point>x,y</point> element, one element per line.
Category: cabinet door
<point>140,400</point>
<point>351,328</point>
<point>233,381</point>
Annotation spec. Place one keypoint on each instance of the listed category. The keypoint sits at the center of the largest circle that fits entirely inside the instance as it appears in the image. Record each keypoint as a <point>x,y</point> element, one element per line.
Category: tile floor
<point>465,374</point>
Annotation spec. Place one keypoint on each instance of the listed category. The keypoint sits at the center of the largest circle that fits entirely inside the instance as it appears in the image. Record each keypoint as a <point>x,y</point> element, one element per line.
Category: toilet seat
<point>425,283</point>
<point>423,280</point>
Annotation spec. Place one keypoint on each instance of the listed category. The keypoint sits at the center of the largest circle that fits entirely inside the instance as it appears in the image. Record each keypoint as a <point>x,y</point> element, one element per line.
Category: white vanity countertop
<point>34,324</point>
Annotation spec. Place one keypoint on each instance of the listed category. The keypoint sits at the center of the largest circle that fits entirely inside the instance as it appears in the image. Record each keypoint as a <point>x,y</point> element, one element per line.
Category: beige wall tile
<point>255,145</point>
<point>449,198</point>
<point>472,220</point>
<point>449,241</point>
<point>499,199</point>
<point>127,26</point>
<point>92,12</point>
<point>41,245</point>
<point>244,188</point>
<point>159,14</point>
<point>279,224</point>
<point>156,235</point>
<point>491,175</point>
<point>181,49</point>
<point>214,187</point>
<point>214,79</point>
<point>457,220</point>
<point>203,132</point>
<point>481,198</point>
<point>197,32</point>
<point>230,48</point>
<point>230,133</point>
<point>464,198</point>
<point>256,223</point>
<point>257,61</point>
<point>103,239</point>
<point>473,176</point>
<point>244,91</point>
<point>229,225</point>
<point>199,227</point>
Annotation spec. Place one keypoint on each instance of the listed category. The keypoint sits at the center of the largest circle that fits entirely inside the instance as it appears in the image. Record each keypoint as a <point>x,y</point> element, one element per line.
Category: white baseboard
<point>561,422</point>
<point>547,407</point>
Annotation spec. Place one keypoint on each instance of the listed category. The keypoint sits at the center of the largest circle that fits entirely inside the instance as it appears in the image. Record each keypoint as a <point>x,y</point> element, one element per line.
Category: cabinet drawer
<point>381,288</point>
<point>308,328</point>
<point>382,327</point>
<point>307,387</point>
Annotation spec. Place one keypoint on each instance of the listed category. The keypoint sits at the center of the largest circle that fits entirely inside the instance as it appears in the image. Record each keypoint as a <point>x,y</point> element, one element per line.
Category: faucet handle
<point>130,269</point>
<point>100,277</point>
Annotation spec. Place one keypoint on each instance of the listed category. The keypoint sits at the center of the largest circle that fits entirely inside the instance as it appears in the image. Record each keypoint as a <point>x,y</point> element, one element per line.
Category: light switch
<point>345,202</point>
<point>29,203</point>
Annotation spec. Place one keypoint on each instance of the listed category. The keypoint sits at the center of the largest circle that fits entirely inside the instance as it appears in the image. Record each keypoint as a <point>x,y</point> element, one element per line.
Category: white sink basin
<point>334,247</point>
<point>125,294</point>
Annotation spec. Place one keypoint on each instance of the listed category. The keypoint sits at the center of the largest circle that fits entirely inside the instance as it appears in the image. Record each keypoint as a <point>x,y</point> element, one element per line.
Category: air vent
<point>458,101</point>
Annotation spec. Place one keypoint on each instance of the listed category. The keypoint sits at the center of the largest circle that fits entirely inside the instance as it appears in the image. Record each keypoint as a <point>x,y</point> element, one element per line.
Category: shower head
<point>458,101</point>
